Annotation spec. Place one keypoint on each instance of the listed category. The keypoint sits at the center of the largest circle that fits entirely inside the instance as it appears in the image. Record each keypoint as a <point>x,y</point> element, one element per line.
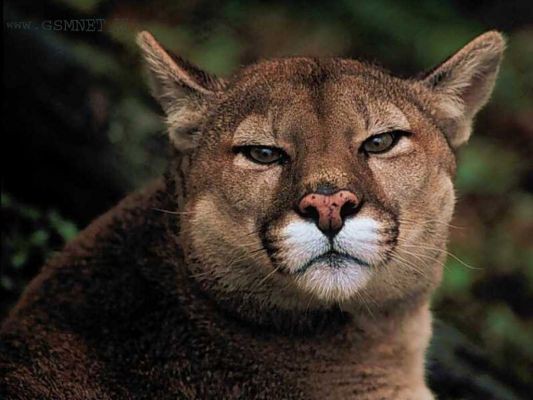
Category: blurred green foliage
<point>487,290</point>
<point>30,236</point>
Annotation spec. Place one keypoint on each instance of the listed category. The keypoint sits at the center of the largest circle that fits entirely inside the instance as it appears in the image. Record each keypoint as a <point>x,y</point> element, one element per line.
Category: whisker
<point>428,221</point>
<point>276,269</point>
<point>406,263</point>
<point>443,251</point>
<point>171,212</point>
<point>363,301</point>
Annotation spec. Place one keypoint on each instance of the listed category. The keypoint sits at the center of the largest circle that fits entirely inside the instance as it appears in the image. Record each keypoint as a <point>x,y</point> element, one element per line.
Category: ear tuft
<point>462,84</point>
<point>183,90</point>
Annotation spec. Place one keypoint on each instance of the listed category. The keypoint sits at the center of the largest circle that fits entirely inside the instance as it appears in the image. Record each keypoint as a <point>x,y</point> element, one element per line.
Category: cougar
<point>288,252</point>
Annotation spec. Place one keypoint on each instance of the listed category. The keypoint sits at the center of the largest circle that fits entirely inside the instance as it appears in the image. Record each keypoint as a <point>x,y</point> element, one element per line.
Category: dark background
<point>80,131</point>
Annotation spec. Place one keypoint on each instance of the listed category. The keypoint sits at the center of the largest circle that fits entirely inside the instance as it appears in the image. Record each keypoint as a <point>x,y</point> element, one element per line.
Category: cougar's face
<point>312,181</point>
<point>325,181</point>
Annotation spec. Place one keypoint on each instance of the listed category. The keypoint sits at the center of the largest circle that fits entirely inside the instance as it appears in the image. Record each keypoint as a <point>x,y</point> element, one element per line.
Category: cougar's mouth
<point>332,259</point>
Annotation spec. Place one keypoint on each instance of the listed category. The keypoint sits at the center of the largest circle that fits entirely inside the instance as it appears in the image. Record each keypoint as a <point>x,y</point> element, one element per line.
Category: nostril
<point>348,209</point>
<point>311,212</point>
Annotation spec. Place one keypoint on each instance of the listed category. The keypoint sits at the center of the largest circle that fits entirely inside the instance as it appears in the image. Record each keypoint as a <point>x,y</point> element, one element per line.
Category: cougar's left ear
<point>462,84</point>
<point>183,90</point>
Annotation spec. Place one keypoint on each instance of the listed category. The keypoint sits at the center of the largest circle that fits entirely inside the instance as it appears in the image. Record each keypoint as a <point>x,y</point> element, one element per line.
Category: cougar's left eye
<point>263,154</point>
<point>382,142</point>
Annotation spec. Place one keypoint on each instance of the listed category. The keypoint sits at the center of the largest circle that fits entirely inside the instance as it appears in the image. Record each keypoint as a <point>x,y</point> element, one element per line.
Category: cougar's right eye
<point>263,154</point>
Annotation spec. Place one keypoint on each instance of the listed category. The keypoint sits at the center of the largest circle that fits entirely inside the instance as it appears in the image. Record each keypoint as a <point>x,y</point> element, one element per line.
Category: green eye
<point>382,142</point>
<point>263,154</point>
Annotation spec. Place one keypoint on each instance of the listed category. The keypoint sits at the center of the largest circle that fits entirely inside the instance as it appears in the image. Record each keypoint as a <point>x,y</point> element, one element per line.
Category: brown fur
<point>196,288</point>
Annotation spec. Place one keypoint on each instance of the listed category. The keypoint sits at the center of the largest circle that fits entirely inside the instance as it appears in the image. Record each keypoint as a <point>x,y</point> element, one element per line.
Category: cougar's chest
<point>267,366</point>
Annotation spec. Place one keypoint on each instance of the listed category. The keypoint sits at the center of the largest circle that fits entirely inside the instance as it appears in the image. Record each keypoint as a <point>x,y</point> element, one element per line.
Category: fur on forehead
<point>307,71</point>
<point>278,84</point>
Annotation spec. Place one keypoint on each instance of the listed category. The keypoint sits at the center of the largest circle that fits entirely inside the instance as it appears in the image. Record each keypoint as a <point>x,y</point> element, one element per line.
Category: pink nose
<point>328,210</point>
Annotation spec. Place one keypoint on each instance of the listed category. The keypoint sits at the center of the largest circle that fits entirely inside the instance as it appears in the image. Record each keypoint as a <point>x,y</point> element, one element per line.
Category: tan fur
<point>353,326</point>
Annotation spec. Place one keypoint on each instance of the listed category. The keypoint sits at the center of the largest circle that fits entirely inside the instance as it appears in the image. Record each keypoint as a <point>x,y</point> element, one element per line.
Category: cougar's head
<point>310,181</point>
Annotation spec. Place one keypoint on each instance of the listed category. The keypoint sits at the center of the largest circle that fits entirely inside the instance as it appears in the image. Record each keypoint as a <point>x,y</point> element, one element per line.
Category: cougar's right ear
<point>183,90</point>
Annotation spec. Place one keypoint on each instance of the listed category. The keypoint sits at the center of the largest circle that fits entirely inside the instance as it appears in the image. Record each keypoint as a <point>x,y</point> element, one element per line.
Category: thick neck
<point>391,343</point>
